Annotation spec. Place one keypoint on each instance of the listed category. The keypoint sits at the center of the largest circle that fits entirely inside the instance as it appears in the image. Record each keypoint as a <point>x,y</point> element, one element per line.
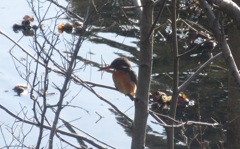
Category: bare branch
<point>178,123</point>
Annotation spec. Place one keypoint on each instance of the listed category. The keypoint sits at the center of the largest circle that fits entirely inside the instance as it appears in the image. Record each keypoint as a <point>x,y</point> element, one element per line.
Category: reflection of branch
<point>100,117</point>
<point>81,82</point>
<point>195,74</point>
<point>70,128</point>
<point>88,134</point>
<point>49,128</point>
<point>69,143</point>
<point>67,11</point>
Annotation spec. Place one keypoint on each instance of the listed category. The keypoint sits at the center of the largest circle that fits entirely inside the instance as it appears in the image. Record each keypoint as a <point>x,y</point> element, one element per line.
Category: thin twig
<point>178,123</point>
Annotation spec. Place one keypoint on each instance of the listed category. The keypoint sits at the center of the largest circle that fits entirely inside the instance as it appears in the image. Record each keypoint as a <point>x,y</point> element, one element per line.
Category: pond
<point>111,34</point>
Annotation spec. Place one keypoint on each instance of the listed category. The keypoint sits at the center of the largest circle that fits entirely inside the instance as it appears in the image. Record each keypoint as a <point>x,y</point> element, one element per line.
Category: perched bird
<point>124,77</point>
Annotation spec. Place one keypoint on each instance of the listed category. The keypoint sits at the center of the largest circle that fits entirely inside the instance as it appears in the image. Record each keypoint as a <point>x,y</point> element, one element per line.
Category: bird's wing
<point>133,76</point>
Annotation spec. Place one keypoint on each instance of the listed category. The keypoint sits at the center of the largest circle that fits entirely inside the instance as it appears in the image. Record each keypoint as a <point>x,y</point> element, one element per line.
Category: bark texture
<point>144,77</point>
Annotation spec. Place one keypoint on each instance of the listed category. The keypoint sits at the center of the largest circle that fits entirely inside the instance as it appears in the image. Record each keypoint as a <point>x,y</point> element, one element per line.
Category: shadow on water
<point>209,90</point>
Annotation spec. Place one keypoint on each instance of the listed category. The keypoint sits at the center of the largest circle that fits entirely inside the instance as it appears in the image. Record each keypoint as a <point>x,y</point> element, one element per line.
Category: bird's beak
<point>105,68</point>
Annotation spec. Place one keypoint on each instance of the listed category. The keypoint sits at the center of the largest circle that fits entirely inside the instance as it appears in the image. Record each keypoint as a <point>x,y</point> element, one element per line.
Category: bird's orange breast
<point>124,83</point>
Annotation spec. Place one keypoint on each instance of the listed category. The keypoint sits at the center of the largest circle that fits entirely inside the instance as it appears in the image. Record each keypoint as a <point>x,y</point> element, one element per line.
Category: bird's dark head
<point>120,63</point>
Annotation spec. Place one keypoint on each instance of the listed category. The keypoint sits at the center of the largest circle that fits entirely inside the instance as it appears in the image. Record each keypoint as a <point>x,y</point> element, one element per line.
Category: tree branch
<point>73,77</point>
<point>219,35</point>
<point>173,106</point>
<point>230,8</point>
<point>178,123</point>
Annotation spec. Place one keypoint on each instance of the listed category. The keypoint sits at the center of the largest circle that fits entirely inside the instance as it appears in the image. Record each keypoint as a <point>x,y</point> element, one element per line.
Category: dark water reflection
<point>209,90</point>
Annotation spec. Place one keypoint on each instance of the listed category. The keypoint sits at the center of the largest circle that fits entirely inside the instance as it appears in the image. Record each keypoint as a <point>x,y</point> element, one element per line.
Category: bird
<point>124,78</point>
